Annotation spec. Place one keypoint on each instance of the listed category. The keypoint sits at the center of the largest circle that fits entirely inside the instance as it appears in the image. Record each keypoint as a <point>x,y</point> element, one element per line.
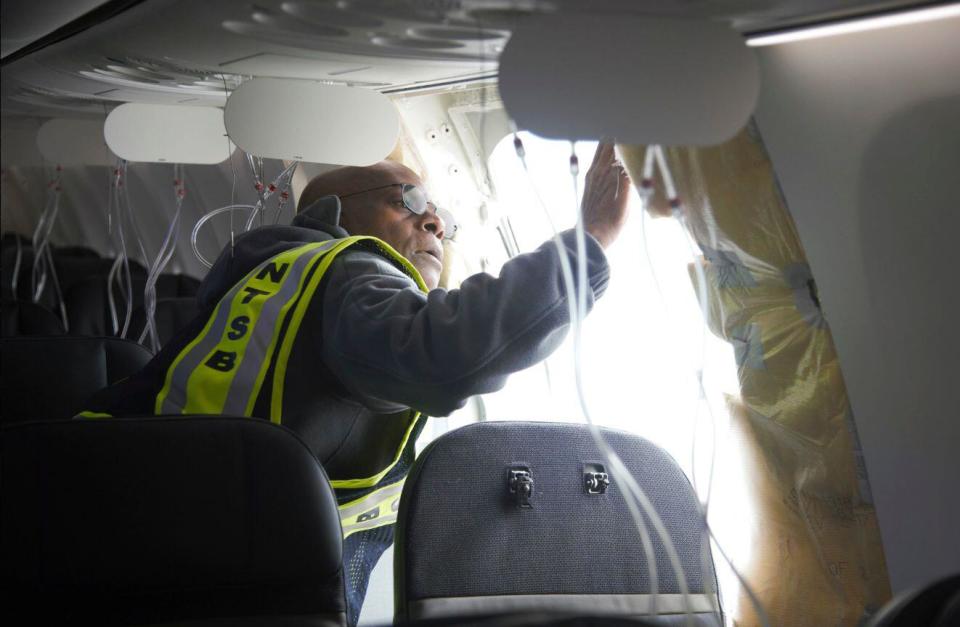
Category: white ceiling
<point>189,52</point>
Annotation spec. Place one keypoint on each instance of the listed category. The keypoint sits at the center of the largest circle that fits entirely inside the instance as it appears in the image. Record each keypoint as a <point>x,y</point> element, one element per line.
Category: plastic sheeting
<point>817,558</point>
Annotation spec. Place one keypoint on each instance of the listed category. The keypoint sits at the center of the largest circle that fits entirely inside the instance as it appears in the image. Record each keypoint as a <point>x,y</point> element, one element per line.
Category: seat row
<point>221,520</point>
<point>83,288</point>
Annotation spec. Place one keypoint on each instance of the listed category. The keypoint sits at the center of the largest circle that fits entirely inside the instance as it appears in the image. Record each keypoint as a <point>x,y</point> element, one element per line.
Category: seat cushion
<point>26,318</point>
<point>51,377</point>
<point>148,520</point>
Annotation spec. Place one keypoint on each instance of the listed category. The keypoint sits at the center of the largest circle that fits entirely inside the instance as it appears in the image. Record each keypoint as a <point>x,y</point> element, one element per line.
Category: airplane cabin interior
<point>741,412</point>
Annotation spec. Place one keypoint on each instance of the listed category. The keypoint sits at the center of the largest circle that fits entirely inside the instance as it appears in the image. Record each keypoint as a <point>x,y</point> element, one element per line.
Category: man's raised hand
<point>605,196</point>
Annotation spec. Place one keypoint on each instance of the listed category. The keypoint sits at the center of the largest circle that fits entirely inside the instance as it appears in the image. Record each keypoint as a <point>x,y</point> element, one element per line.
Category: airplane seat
<point>72,263</point>
<point>51,377</point>
<point>172,314</point>
<point>167,520</point>
<point>521,517</point>
<point>75,252</point>
<point>8,262</point>
<point>9,240</point>
<point>88,306</point>
<point>25,318</point>
<point>73,269</point>
<point>934,605</point>
<point>177,285</point>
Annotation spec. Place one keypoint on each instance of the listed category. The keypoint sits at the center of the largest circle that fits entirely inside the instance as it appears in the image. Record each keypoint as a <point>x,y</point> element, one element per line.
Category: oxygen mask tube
<point>167,248</point>
<point>120,270</point>
<point>610,457</point>
<point>131,217</point>
<point>282,187</point>
<point>41,239</point>
<point>194,234</point>
<point>634,505</point>
<point>37,276</point>
<point>43,254</point>
<point>115,326</point>
<point>676,212</point>
<point>231,208</point>
<point>128,287</point>
<point>279,184</point>
<point>16,267</point>
<point>655,157</point>
<point>257,174</point>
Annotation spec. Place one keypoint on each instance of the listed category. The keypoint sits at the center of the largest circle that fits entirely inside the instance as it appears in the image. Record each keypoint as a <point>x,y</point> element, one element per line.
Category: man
<point>333,327</point>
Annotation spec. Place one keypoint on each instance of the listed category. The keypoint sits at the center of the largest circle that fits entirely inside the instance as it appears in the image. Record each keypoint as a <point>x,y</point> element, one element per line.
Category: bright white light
<point>642,344</point>
<point>858,25</point>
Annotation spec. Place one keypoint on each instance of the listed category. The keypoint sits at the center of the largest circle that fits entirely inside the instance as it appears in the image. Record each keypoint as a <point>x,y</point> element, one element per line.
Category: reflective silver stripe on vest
<point>237,397</point>
<point>176,398</point>
<point>242,386</point>
<point>377,509</point>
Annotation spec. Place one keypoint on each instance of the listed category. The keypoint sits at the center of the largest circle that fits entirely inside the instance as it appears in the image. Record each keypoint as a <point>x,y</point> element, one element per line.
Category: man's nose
<point>432,222</point>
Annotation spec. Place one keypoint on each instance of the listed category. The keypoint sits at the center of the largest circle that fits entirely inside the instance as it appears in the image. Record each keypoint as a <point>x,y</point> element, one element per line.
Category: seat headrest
<point>25,318</point>
<point>88,304</point>
<point>177,286</point>
<point>51,377</point>
<point>147,520</point>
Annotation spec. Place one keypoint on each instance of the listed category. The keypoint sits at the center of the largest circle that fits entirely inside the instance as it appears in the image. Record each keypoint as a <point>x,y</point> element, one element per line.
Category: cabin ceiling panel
<point>188,52</point>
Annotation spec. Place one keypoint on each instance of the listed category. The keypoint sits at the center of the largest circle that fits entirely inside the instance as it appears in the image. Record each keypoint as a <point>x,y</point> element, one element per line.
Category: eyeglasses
<point>415,200</point>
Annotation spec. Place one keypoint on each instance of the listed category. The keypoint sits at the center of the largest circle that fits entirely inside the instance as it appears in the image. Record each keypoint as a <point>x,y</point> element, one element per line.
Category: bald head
<point>371,202</point>
<point>352,179</point>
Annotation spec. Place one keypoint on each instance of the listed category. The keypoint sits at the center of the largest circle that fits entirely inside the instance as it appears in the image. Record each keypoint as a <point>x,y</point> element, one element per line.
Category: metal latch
<point>520,484</point>
<point>595,478</point>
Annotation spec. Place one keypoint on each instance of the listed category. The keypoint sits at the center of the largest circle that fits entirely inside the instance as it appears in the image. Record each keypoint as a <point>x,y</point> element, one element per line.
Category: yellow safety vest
<point>224,370</point>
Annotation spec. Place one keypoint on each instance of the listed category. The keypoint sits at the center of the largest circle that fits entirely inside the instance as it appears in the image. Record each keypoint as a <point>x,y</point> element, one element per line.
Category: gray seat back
<point>467,544</point>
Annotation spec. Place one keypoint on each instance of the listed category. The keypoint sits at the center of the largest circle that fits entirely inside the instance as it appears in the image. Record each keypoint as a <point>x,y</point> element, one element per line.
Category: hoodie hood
<point>317,223</point>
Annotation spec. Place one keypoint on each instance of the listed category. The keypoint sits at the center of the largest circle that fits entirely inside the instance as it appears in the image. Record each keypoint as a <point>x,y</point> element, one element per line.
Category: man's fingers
<point>604,154</point>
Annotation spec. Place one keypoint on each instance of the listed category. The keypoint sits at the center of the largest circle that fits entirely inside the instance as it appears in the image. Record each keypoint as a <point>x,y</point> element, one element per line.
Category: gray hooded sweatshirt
<point>373,346</point>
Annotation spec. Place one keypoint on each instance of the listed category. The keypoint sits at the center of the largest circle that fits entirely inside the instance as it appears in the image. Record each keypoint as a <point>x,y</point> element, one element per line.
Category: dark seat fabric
<point>88,306</point>
<point>72,269</point>
<point>8,263</point>
<point>9,239</point>
<point>936,604</point>
<point>51,377</point>
<point>177,286</point>
<point>72,264</point>
<point>18,318</point>
<point>570,551</point>
<point>167,520</point>
<point>75,252</point>
<point>172,314</point>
